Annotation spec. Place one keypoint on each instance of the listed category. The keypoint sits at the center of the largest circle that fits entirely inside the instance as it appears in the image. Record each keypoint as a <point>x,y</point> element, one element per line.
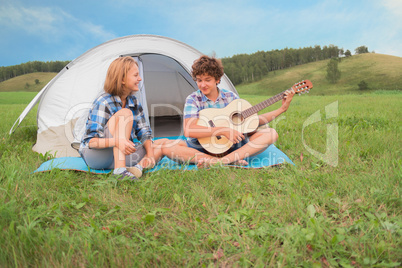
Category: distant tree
<point>348,53</point>
<point>333,72</point>
<point>317,53</point>
<point>363,85</point>
<point>361,50</point>
<point>7,72</point>
<point>245,68</point>
<point>27,85</point>
<point>37,81</point>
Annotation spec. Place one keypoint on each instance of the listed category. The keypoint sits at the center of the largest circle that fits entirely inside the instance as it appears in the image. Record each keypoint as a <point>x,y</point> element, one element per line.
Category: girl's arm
<point>127,146</point>
<point>100,143</point>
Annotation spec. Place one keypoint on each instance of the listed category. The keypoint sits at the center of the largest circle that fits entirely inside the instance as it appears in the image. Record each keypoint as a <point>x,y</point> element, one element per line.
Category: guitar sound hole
<point>237,118</point>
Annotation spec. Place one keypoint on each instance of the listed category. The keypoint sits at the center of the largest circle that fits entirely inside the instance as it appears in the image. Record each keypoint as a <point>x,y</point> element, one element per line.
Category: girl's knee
<point>124,112</point>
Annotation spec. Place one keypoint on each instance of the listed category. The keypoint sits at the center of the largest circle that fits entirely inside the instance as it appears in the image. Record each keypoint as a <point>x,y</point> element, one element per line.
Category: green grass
<point>380,72</point>
<point>16,97</point>
<point>26,82</point>
<point>308,215</point>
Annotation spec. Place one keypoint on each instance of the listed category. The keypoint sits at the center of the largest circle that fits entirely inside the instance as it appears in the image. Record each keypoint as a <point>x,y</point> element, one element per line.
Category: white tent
<point>165,66</point>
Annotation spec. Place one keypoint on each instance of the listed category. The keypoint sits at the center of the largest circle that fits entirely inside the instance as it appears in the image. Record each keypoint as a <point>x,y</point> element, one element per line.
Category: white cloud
<point>394,6</point>
<point>385,34</point>
<point>49,23</point>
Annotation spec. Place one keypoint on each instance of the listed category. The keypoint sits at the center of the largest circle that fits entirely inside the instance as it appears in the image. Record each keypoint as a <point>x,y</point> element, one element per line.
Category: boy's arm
<point>192,130</point>
<point>268,117</point>
<point>98,117</point>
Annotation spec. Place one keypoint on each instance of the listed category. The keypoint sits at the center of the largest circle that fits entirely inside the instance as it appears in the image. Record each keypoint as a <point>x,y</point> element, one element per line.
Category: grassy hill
<point>380,72</point>
<point>26,82</point>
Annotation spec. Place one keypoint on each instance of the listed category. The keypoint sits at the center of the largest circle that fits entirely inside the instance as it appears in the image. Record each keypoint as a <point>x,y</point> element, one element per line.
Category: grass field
<point>313,214</point>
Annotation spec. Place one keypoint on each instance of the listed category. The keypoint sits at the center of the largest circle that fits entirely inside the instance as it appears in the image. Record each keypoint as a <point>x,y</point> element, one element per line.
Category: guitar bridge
<point>211,124</point>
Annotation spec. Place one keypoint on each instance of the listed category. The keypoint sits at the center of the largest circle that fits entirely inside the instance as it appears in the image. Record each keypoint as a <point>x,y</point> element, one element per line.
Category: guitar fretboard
<point>264,104</point>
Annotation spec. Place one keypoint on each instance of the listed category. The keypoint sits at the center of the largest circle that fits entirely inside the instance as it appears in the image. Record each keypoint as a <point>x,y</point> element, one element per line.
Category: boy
<point>207,73</point>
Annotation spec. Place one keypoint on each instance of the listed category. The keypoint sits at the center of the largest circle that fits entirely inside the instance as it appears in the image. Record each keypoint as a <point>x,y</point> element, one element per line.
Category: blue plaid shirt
<point>197,101</point>
<point>102,110</point>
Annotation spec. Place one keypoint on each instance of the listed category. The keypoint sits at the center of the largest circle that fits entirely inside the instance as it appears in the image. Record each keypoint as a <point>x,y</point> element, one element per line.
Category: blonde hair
<point>117,74</point>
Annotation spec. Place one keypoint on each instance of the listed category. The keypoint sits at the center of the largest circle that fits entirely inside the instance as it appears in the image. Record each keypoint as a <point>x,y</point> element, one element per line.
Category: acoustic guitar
<point>239,115</point>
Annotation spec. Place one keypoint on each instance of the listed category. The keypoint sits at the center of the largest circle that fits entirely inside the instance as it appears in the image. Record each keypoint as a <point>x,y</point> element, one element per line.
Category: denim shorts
<point>104,159</point>
<point>194,143</point>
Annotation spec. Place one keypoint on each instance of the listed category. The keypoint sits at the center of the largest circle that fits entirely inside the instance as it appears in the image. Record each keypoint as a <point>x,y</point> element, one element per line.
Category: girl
<point>115,119</point>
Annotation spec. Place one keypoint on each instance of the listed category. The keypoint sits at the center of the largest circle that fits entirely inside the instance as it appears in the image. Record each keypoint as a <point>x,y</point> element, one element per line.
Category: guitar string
<point>256,108</point>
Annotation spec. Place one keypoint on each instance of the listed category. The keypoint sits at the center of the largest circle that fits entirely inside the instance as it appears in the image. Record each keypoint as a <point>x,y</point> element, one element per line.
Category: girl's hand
<point>126,146</point>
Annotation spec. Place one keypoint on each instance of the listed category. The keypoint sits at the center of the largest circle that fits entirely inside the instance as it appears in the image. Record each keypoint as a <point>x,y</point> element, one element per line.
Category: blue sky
<point>49,30</point>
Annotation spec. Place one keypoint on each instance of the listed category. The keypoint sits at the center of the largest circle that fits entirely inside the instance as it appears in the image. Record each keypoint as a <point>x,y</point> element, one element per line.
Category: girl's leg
<point>120,125</point>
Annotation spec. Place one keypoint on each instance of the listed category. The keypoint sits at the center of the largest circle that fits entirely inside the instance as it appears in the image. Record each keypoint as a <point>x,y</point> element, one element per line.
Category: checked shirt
<point>104,107</point>
<point>197,101</point>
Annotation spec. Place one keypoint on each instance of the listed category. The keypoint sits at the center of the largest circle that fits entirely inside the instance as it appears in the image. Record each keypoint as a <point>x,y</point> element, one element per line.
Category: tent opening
<point>166,87</point>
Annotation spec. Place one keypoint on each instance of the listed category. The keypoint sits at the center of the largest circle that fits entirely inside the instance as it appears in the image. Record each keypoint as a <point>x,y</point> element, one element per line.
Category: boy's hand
<point>287,99</point>
<point>233,135</point>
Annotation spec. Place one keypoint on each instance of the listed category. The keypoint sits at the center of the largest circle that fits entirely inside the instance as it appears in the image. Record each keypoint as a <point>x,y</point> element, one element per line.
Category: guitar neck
<point>264,104</point>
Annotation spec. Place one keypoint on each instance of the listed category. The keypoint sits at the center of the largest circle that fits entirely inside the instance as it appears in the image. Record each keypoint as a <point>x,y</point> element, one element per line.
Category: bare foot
<point>240,163</point>
<point>207,162</point>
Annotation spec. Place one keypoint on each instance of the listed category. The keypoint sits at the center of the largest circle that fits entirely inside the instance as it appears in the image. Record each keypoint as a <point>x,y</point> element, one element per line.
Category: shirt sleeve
<point>191,109</point>
<point>231,95</point>
<point>97,119</point>
<point>142,130</point>
<point>235,96</point>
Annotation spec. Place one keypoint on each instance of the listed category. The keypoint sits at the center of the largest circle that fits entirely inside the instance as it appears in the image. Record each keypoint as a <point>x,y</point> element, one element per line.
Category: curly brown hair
<point>207,65</point>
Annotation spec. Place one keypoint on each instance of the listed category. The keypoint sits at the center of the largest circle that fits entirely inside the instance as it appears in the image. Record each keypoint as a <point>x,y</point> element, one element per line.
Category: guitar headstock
<point>302,87</point>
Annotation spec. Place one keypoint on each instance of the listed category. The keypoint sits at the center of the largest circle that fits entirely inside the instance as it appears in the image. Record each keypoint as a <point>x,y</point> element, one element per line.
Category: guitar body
<point>229,116</point>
